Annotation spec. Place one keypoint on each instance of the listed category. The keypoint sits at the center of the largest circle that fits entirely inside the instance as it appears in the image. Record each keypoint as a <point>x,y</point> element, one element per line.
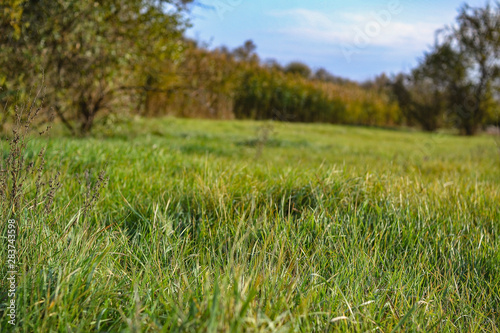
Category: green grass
<point>205,226</point>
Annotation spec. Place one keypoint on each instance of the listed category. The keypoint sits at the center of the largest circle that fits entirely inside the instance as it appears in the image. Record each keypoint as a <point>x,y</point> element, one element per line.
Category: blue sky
<point>353,39</point>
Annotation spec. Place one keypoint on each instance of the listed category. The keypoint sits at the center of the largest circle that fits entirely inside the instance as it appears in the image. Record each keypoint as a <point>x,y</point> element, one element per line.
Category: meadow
<point>246,226</point>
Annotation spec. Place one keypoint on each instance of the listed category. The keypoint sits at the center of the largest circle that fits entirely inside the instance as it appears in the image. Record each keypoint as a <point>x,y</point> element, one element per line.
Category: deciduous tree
<point>88,51</point>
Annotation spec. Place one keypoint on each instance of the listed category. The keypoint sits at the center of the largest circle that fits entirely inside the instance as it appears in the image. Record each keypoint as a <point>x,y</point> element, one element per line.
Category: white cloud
<point>357,29</point>
<point>306,17</point>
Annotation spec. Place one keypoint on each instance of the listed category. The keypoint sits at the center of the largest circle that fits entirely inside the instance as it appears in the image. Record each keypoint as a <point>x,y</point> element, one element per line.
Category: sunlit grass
<point>206,226</point>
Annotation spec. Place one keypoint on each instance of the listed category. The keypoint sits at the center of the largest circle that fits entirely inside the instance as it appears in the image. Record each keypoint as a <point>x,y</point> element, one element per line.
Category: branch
<point>64,120</point>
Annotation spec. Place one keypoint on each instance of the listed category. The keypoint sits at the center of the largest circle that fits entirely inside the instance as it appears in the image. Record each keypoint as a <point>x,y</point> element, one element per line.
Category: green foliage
<point>420,100</point>
<point>11,12</point>
<point>88,52</point>
<point>271,94</point>
<point>477,38</point>
<point>454,85</point>
<point>298,68</point>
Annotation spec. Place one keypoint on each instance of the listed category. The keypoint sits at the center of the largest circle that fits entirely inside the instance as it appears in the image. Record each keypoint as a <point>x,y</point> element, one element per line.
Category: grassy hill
<point>262,226</point>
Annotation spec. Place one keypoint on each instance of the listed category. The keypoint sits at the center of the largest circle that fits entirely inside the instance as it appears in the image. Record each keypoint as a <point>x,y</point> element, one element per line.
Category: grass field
<point>262,227</point>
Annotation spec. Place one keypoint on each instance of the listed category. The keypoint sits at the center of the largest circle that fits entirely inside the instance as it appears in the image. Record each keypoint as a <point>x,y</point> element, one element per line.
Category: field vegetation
<point>261,226</point>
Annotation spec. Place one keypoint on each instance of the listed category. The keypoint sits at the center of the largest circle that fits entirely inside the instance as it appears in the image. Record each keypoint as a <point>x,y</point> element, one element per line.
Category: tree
<point>456,80</point>
<point>437,84</point>
<point>323,75</point>
<point>298,68</point>
<point>246,52</point>
<point>94,55</point>
<point>477,40</point>
<point>418,100</point>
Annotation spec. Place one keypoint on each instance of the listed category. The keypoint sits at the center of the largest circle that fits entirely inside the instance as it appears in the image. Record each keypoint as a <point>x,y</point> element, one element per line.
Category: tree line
<point>114,58</point>
<point>225,83</point>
